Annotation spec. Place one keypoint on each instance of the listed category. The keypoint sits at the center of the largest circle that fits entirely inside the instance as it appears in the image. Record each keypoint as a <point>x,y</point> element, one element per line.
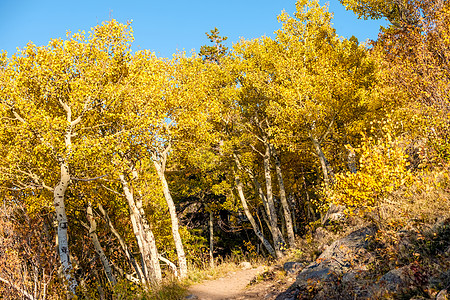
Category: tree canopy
<point>129,163</point>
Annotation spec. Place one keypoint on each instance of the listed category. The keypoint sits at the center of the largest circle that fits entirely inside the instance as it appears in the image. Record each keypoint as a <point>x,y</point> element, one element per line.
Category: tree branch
<point>23,292</point>
<point>88,179</point>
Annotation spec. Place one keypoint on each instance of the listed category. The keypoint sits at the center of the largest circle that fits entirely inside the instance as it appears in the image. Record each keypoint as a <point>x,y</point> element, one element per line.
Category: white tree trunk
<point>124,246</point>
<point>98,248</point>
<point>61,217</point>
<point>257,231</point>
<point>277,236</point>
<point>160,168</point>
<point>144,236</point>
<point>211,238</point>
<point>283,198</point>
<point>328,174</point>
<point>150,239</point>
<point>268,207</point>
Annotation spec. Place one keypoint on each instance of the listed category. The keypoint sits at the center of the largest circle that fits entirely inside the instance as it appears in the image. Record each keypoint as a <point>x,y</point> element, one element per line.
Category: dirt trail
<point>228,287</point>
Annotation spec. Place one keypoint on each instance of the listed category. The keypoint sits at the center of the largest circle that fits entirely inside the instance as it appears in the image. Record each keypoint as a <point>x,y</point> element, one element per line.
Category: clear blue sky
<point>161,26</point>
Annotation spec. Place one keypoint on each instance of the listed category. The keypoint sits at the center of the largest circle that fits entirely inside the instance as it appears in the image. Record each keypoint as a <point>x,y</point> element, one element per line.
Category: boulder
<point>348,253</point>
<point>290,294</point>
<point>396,279</point>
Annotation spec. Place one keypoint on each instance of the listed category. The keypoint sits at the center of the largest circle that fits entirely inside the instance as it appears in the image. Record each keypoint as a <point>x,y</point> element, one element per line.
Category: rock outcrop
<point>341,262</point>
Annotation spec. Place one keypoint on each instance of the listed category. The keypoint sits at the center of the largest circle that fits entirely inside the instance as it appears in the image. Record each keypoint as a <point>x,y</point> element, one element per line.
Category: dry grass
<point>424,202</point>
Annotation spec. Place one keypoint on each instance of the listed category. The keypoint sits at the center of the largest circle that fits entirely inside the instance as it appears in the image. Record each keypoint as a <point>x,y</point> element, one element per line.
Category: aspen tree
<point>49,95</point>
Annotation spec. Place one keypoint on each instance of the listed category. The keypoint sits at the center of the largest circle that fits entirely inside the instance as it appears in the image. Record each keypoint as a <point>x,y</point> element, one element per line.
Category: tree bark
<point>277,236</point>
<point>269,208</point>
<point>61,217</point>
<point>160,165</point>
<point>144,236</point>
<point>211,238</point>
<point>328,174</point>
<point>125,249</point>
<point>150,238</point>
<point>257,231</point>
<point>351,161</point>
<point>283,198</point>
<point>98,248</point>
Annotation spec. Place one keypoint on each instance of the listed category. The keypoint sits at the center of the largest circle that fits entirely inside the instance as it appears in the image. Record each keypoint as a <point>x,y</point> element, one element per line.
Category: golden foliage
<point>383,170</point>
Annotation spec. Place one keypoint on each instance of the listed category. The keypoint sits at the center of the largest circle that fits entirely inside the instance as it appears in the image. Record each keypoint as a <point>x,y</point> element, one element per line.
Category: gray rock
<point>440,281</point>
<point>292,267</point>
<point>348,253</point>
<point>396,279</point>
<point>317,273</point>
<point>290,294</point>
<point>191,297</point>
<point>350,277</point>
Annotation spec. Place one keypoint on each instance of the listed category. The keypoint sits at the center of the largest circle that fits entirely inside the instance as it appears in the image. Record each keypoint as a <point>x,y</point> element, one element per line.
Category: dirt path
<point>228,287</point>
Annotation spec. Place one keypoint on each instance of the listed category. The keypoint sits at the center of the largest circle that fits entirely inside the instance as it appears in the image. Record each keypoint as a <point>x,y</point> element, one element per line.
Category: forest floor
<point>240,285</point>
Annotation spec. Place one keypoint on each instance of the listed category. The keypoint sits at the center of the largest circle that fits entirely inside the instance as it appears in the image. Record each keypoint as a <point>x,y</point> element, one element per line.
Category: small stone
<point>191,297</point>
<point>245,265</point>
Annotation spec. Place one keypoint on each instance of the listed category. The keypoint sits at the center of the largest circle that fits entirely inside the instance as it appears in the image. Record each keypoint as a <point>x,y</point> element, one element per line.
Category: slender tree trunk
<point>328,174</point>
<point>257,231</point>
<point>101,291</point>
<point>265,218</point>
<point>277,236</point>
<point>211,238</point>
<point>269,208</point>
<point>268,213</point>
<point>61,217</point>
<point>125,249</point>
<point>98,248</point>
<point>150,239</point>
<point>144,237</point>
<point>283,198</point>
<point>160,169</point>
<point>293,203</point>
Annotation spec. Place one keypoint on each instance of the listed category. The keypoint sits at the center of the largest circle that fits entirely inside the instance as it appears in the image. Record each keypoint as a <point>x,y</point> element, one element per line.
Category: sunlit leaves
<point>383,170</point>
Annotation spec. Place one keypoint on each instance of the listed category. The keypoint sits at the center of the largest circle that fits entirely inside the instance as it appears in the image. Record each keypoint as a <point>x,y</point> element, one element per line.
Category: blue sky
<point>161,26</point>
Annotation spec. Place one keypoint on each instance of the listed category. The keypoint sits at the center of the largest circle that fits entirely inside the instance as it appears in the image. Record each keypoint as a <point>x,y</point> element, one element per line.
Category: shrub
<point>382,171</point>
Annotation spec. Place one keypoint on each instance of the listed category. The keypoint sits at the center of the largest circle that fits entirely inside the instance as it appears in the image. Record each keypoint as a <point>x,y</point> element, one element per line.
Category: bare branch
<point>85,109</point>
<point>113,191</point>
<point>170,264</point>
<point>88,179</point>
<point>23,292</point>
<point>328,130</point>
<point>256,150</point>
<point>66,109</point>
<point>36,179</point>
